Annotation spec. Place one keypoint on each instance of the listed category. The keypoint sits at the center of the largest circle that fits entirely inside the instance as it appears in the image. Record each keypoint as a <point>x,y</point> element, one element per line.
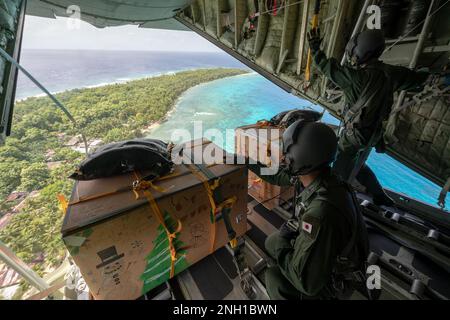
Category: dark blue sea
<point>221,104</point>
<point>60,70</point>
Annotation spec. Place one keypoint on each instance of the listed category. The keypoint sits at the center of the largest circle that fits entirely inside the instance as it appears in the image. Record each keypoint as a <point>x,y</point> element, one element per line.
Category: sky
<point>44,33</point>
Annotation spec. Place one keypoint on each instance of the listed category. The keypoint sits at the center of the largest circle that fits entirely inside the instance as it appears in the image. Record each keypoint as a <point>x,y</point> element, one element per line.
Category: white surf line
<point>130,79</point>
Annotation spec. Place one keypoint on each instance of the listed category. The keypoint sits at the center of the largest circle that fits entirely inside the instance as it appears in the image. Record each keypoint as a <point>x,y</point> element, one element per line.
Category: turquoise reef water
<point>232,102</point>
<point>229,103</point>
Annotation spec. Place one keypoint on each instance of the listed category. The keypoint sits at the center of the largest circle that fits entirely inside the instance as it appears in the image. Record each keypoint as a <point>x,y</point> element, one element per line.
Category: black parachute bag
<point>149,155</point>
<point>286,118</point>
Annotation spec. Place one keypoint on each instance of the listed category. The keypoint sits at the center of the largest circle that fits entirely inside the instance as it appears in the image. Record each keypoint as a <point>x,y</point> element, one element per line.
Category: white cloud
<point>43,33</point>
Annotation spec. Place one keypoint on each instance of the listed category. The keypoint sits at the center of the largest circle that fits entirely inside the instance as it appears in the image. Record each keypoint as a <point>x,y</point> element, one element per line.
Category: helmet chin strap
<point>296,173</point>
<point>291,170</point>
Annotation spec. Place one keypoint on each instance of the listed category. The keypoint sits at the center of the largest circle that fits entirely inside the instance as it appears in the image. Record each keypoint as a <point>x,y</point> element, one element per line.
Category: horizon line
<point>135,50</point>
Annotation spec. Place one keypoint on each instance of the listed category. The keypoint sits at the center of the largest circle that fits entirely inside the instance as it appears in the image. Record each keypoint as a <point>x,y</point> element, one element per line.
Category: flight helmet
<point>308,146</point>
<point>365,46</point>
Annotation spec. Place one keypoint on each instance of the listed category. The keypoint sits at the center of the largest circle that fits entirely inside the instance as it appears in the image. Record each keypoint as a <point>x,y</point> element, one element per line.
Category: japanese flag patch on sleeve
<point>310,226</point>
<point>307,227</point>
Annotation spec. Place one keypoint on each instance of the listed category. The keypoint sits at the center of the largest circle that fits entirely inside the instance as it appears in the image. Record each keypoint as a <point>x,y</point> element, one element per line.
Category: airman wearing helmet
<point>368,86</point>
<point>327,227</point>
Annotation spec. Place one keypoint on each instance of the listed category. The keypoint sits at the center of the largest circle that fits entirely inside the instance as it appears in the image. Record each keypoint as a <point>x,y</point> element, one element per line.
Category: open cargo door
<point>270,37</point>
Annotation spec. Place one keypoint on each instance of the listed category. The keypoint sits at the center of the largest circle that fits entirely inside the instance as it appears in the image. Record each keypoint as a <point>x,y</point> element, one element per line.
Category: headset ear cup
<point>290,135</point>
<point>298,128</point>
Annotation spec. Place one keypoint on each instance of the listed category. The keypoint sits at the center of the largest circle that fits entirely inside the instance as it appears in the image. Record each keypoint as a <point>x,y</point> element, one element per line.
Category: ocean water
<point>237,101</point>
<point>60,70</point>
<point>229,103</point>
<point>221,104</point>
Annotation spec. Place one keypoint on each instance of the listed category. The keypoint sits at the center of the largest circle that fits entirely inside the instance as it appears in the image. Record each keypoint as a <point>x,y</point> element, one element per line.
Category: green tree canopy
<point>109,113</point>
<point>9,176</point>
<point>34,177</point>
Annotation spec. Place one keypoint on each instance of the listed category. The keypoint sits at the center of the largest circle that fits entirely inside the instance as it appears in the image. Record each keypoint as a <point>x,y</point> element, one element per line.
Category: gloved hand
<point>314,40</point>
<point>287,231</point>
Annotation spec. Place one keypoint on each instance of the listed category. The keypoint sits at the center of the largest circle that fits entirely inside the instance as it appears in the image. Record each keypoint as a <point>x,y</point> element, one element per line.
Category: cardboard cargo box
<point>262,142</point>
<point>125,243</point>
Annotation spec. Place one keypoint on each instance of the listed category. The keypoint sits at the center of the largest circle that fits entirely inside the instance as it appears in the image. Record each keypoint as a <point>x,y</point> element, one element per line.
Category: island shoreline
<point>148,130</point>
<point>128,80</point>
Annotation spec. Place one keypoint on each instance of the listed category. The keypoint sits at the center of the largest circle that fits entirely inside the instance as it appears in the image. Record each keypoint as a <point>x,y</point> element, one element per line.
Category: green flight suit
<point>370,88</point>
<point>305,264</point>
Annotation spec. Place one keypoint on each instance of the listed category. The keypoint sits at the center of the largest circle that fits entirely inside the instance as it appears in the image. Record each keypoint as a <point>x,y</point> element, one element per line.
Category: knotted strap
<point>145,186</point>
<point>215,208</point>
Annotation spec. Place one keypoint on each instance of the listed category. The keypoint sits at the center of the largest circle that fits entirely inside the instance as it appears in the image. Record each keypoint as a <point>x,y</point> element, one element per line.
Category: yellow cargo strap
<point>265,123</point>
<point>262,123</point>
<point>144,186</point>
<point>63,203</point>
<point>314,25</point>
<point>233,243</point>
<point>209,192</point>
<point>228,203</point>
<point>129,188</point>
<point>255,181</point>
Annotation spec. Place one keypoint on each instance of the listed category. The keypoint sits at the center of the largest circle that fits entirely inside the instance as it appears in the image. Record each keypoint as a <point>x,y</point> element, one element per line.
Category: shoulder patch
<point>310,226</point>
<point>307,227</point>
